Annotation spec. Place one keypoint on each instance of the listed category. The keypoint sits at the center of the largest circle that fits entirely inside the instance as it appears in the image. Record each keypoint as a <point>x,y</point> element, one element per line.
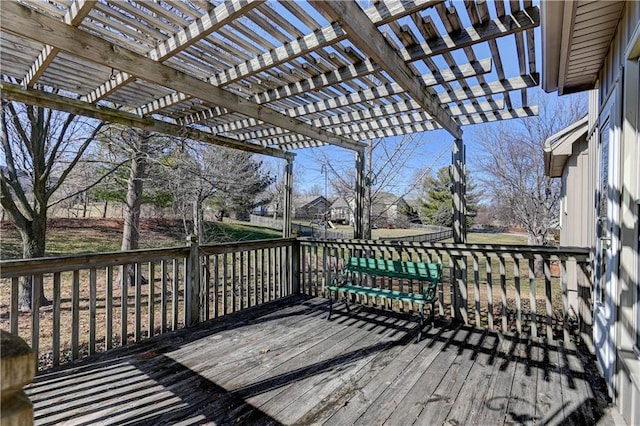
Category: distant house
<point>342,210</point>
<point>387,208</point>
<point>310,206</point>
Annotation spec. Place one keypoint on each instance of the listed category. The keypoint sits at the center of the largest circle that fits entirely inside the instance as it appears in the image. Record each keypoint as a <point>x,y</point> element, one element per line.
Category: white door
<point>607,243</point>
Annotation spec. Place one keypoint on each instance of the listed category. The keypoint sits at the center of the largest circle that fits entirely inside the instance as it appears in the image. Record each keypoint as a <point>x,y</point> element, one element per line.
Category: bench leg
<point>421,325</point>
<point>346,304</point>
<point>330,306</point>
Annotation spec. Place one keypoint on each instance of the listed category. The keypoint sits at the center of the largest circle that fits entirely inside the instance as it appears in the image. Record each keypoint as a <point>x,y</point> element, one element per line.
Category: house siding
<point>621,71</point>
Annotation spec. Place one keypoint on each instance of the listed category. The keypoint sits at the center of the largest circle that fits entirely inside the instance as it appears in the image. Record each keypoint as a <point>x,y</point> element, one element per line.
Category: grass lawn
<point>76,236</point>
<point>493,238</point>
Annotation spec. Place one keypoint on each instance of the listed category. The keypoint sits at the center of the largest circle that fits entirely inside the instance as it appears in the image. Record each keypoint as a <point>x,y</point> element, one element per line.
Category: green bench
<point>428,274</point>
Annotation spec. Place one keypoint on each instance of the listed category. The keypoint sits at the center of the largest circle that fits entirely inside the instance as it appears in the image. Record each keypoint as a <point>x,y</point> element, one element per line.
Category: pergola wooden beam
<point>12,92</point>
<point>197,30</point>
<point>364,34</point>
<point>28,23</point>
<point>74,16</point>
<point>322,37</point>
<point>493,29</point>
<point>407,111</point>
<point>385,127</point>
<point>342,74</point>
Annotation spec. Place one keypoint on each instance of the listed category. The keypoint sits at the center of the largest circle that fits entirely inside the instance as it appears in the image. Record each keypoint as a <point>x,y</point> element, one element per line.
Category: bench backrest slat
<point>395,268</point>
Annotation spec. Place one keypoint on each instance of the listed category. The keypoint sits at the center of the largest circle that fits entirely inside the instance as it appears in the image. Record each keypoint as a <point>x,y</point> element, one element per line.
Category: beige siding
<point>617,69</point>
<point>576,200</point>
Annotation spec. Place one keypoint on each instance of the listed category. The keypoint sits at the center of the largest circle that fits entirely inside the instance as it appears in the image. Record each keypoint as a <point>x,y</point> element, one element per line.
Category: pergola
<point>271,77</point>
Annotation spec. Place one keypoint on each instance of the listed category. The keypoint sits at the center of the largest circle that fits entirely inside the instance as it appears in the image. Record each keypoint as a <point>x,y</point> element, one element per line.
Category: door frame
<point>608,237</point>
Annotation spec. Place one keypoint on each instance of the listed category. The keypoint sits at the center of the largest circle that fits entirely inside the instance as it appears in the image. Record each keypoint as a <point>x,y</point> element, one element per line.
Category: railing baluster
<point>36,286</point>
<point>137,270</point>
<point>476,289</point>
<point>216,286</point>
<point>250,280</point>
<point>108,308</point>
<point>174,295</point>
<point>75,315</point>
<point>124,299</point>
<point>225,272</point>
<point>234,284</point>
<point>516,281</point>
<point>186,304</point>
<point>565,300</point>
<point>547,287</point>
<point>56,319</point>
<point>205,297</point>
<point>92,311</point>
<point>532,299</point>
<point>303,270</point>
<point>151,305</point>
<point>269,274</point>
<point>263,271</point>
<point>241,283</point>
<point>440,291</point>
<point>503,293</point>
<point>489,294</point>
<point>325,269</point>
<point>309,262</point>
<point>452,284</point>
<point>163,296</point>
<point>15,315</point>
<point>317,268</point>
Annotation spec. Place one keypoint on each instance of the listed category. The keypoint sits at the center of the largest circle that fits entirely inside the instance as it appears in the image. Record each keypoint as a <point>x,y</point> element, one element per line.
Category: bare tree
<point>138,142</point>
<point>41,148</point>
<point>513,168</point>
<point>229,180</point>
<point>387,164</point>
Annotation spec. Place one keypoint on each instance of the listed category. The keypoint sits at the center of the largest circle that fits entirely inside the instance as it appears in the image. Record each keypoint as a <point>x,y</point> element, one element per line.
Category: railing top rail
<point>221,248</point>
<point>577,253</point>
<point>43,265</point>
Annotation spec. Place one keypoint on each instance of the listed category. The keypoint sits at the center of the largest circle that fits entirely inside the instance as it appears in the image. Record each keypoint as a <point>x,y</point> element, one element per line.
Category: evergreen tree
<point>436,201</point>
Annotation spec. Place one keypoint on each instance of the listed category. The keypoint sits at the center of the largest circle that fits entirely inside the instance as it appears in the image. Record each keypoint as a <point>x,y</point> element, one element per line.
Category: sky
<point>433,148</point>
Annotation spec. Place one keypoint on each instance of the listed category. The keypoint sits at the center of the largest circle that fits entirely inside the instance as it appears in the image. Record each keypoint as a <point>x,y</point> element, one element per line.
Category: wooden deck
<point>285,363</point>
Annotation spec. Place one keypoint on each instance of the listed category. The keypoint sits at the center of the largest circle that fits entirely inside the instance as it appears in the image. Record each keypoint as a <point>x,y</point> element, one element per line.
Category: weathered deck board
<point>284,363</point>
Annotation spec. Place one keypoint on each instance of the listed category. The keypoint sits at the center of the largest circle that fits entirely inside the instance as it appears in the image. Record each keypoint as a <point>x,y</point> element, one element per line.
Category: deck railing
<point>538,291</point>
<point>104,300</point>
<point>99,301</point>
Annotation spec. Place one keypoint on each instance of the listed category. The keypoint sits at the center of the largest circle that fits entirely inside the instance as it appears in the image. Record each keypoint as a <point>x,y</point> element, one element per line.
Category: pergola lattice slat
<point>279,74</point>
<point>366,37</point>
<point>28,23</point>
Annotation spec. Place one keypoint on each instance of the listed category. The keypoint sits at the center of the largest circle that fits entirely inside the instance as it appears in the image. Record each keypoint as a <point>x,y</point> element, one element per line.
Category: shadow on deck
<point>284,363</point>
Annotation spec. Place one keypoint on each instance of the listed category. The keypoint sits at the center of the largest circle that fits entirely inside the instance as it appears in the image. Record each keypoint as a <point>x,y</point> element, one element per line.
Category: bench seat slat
<point>383,293</point>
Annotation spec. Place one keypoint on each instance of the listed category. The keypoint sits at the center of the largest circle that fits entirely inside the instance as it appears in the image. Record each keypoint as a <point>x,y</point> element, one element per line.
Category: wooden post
<point>288,190</point>
<point>460,298</point>
<point>358,214</point>
<point>18,368</point>
<point>458,170</point>
<point>192,282</point>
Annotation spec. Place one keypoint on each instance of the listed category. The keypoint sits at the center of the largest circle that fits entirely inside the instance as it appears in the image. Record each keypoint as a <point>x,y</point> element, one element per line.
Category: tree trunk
<point>538,264</point>
<point>33,246</point>
<point>132,207</point>
<point>84,205</point>
<point>104,212</point>
<point>133,204</point>
<point>198,222</point>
